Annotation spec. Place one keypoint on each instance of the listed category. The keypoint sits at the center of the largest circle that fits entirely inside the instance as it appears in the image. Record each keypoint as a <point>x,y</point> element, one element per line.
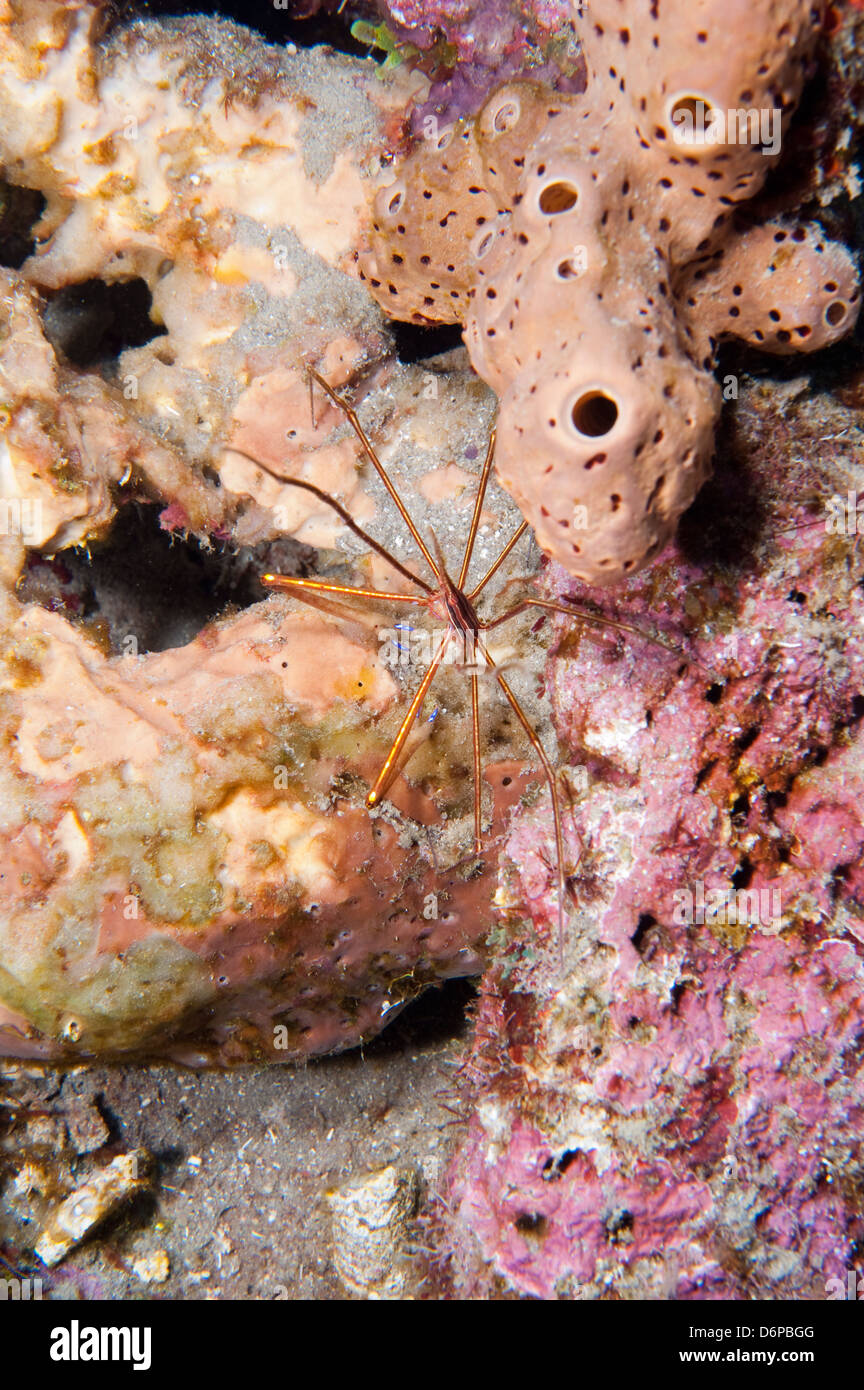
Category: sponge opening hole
<point>572,266</point>
<point>594,414</point>
<point>506,116</point>
<point>692,118</point>
<point>558,196</point>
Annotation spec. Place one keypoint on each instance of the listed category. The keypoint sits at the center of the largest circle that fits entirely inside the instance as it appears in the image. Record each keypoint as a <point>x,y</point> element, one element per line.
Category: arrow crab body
<point>451,603</point>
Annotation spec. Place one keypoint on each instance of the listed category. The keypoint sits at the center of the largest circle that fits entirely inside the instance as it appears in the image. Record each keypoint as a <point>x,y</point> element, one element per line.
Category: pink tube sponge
<point>801,290</point>
<point>588,244</point>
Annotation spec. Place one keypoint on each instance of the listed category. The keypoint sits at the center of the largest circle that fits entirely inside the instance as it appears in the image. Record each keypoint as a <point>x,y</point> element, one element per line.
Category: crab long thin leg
<point>493,569</point>
<point>478,508</point>
<point>551,782</point>
<point>284,581</point>
<point>475,684</point>
<point>390,767</point>
<point>343,513</point>
<point>597,619</point>
<point>478,771</point>
<point>373,458</point>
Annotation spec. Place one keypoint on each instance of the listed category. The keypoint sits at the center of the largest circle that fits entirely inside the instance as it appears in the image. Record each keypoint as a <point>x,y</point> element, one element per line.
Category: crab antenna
<point>373,458</point>
<point>346,517</point>
<point>478,507</point>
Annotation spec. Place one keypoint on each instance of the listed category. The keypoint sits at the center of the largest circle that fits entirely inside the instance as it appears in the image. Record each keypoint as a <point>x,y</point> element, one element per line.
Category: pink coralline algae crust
<point>680,1114</point>
<point>173,518</point>
<point>737,1150</point>
<point>518,1200</point>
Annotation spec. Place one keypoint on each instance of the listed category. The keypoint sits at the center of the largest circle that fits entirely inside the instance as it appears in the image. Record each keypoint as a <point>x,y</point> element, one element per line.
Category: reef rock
<point>226,179</point>
<point>186,852</point>
<point>680,1113</point>
<point>188,864</point>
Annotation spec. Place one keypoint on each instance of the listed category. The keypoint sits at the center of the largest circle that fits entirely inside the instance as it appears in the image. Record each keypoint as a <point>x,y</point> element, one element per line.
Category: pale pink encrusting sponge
<point>589,246</point>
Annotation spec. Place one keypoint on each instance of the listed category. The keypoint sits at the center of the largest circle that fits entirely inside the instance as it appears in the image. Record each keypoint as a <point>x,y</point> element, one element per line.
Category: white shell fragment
<point>370,1216</point>
<point>84,1209</point>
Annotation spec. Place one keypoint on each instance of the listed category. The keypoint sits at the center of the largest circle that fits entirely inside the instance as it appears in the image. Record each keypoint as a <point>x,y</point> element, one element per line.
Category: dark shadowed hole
<point>704,773</point>
<point>746,739</point>
<point>156,588</point>
<point>835,313</point>
<point>594,414</point>
<point>414,342</point>
<point>643,926</point>
<point>20,210</point>
<point>743,875</point>
<point>94,322</point>
<point>530,1223</point>
<point>438,1015</point>
<point>556,1167</point>
<point>619,1225</point>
